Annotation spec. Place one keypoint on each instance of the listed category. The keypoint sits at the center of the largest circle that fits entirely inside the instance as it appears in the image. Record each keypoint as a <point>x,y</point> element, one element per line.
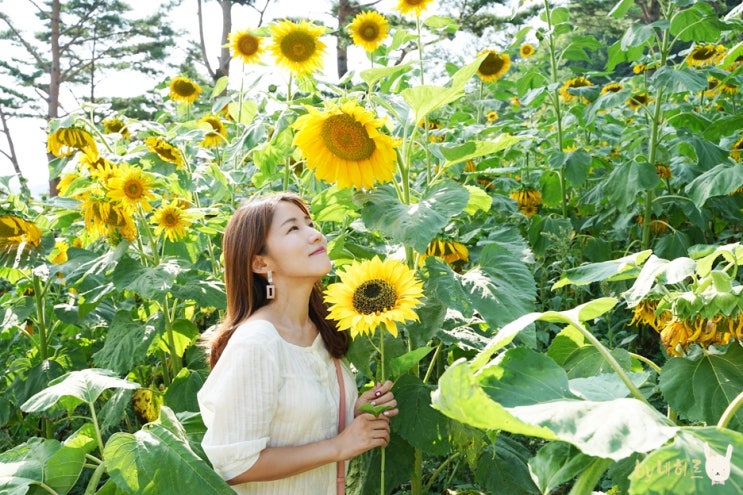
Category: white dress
<point>265,392</point>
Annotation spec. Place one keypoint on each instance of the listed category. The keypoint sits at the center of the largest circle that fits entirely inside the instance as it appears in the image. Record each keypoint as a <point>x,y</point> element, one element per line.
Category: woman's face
<point>294,248</point>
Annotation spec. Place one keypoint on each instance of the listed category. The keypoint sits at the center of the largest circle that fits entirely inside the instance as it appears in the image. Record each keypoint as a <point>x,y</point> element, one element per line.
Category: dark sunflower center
<point>166,153</point>
<point>248,45</point>
<point>133,189</point>
<point>703,53</point>
<point>413,3</point>
<point>346,138</point>
<point>369,31</point>
<point>491,65</point>
<point>578,83</point>
<point>374,296</point>
<point>170,219</point>
<point>297,46</point>
<point>184,88</point>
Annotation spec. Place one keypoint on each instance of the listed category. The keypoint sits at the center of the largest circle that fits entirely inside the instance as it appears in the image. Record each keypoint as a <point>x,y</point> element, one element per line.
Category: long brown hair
<point>245,238</point>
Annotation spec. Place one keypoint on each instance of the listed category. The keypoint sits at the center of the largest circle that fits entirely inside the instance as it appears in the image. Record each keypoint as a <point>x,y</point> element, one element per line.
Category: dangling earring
<point>270,288</point>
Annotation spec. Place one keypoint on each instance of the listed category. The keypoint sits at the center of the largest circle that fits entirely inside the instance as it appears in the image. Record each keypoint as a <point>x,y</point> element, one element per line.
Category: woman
<point>271,401</point>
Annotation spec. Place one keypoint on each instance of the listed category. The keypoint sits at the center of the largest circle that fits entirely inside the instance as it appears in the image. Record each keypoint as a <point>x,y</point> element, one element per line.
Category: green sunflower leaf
<point>719,181</point>
<point>375,410</point>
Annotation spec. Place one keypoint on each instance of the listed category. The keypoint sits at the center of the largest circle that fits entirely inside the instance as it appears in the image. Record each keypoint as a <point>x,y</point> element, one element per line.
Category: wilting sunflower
<point>105,219</point>
<point>59,253</point>
<point>729,88</point>
<point>297,46</point>
<point>701,55</point>
<point>647,312</point>
<point>492,116</point>
<point>68,140</point>
<point>449,251</point>
<point>638,100</point>
<point>576,82</point>
<point>131,187</point>
<point>171,219</point>
<point>104,172</point>
<point>15,230</point>
<point>185,90</point>
<point>217,134</point>
<point>407,6</point>
<point>344,145</point>
<point>368,30</point>
<point>165,150</point>
<point>528,200</point>
<point>246,45</point>
<point>612,88</point>
<point>373,293</point>
<point>115,124</point>
<point>736,150</point>
<point>494,66</point>
<point>663,171</point>
<point>526,50</point>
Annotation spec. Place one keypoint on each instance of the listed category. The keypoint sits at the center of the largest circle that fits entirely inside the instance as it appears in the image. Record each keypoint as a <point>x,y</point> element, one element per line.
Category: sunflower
<point>494,65</point>
<point>611,88</point>
<point>298,46</point>
<point>246,45</point>
<point>576,82</point>
<point>492,116</point>
<point>515,101</point>
<point>131,187</point>
<point>449,251</point>
<point>638,100</point>
<point>663,171</point>
<point>639,68</point>
<point>701,55</point>
<point>407,6</point>
<point>736,150</point>
<point>529,201</point>
<point>166,151</point>
<point>15,230</point>
<point>185,90</point>
<point>171,219</point>
<point>729,88</point>
<point>91,163</point>
<point>67,140</point>
<point>59,253</point>
<point>526,50</point>
<point>103,172</point>
<point>344,145</point>
<point>115,124</point>
<point>374,292</point>
<point>217,133</point>
<point>105,219</point>
<point>65,182</point>
<point>646,312</point>
<point>368,30</point>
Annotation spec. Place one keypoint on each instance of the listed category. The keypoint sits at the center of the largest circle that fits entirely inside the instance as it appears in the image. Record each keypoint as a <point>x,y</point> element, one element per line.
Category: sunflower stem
<point>381,380</point>
<point>423,81</point>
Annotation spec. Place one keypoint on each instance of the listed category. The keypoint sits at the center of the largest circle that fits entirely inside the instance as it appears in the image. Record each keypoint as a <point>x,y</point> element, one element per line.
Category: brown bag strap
<point>341,476</point>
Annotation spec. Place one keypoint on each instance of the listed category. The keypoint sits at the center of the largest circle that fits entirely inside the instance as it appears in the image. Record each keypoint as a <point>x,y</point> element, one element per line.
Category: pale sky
<point>29,135</point>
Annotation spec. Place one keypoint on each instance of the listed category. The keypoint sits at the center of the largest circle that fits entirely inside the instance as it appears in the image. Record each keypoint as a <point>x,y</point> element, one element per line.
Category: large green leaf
<point>626,182</point>
<point>679,80</point>
<point>84,385</point>
<point>372,76</point>
<point>700,388</point>
<point>418,423</point>
<point>475,149</point>
<point>40,461</point>
<point>719,181</point>
<point>148,282</point>
<point>655,269</point>
<point>506,469</point>
<point>154,461</point>
<point>425,99</point>
<point>200,287</point>
<point>681,467</point>
<point>605,270</point>
<point>533,400</point>
<point>556,463</point>
<point>697,23</point>
<point>413,225</point>
<point>501,288</point>
<point>126,343</point>
<point>181,394</point>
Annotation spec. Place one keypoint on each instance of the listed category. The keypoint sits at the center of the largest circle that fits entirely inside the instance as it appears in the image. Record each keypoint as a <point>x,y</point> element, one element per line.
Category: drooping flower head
<point>116,124</point>
<point>702,55</point>
<point>166,151</point>
<point>368,30</point>
<point>373,293</point>
<point>736,150</point>
<point>406,7</point>
<point>216,136</point>
<point>612,88</point>
<point>576,82</point>
<point>528,200</point>
<point>344,145</point>
<point>171,219</point>
<point>449,251</point>
<point>103,218</point>
<point>68,140</point>
<point>247,46</point>
<point>15,230</point>
<point>663,171</point>
<point>526,50</point>
<point>638,100</point>
<point>297,46</point>
<point>131,188</point>
<point>494,66</point>
<point>185,90</point>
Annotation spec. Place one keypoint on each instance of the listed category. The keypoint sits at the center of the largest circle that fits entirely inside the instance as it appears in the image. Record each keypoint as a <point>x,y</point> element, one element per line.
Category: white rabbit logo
<point>717,466</point>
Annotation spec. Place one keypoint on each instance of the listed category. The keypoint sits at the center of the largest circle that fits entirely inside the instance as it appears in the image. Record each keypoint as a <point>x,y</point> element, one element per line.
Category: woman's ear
<point>259,265</point>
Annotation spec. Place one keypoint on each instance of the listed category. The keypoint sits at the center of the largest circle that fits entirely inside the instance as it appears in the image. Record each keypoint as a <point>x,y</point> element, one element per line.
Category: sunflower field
<point>573,322</point>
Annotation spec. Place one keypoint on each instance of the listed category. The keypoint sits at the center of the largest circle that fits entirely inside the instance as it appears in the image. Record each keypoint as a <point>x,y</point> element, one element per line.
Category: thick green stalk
<point>98,436</point>
<point>381,380</point>
<point>587,479</point>
<point>730,411</point>
<point>92,487</point>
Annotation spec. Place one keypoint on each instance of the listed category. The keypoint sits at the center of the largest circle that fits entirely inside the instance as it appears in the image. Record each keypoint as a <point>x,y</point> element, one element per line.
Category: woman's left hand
<point>379,395</point>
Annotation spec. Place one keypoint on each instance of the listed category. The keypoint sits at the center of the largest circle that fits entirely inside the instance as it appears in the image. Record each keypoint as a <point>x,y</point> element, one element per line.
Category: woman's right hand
<point>364,433</point>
